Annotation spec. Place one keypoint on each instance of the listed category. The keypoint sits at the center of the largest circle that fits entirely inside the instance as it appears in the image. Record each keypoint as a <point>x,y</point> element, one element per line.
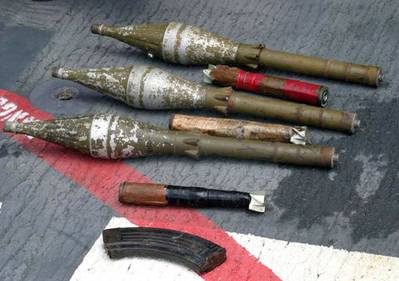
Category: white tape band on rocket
<point>153,88</point>
<point>197,46</point>
<point>134,95</point>
<point>99,135</point>
<point>170,41</point>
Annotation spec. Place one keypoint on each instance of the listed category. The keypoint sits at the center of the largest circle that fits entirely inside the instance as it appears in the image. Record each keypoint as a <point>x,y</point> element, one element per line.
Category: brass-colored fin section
<point>249,55</point>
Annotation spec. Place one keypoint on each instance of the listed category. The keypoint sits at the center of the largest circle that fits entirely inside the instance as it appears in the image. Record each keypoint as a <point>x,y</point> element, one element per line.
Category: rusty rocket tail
<point>299,91</point>
<point>240,129</point>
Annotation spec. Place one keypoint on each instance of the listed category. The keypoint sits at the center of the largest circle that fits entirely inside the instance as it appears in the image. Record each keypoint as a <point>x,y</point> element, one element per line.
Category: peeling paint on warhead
<point>124,139</point>
<point>68,132</point>
<point>111,145</point>
<point>147,37</point>
<point>109,81</point>
<point>109,136</point>
<point>102,135</point>
<point>134,85</point>
<point>153,88</point>
<point>187,44</point>
<point>169,42</point>
<point>99,136</point>
<point>128,30</point>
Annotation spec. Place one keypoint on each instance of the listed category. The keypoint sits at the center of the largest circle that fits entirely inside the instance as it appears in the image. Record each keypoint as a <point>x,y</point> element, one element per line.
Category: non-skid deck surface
<point>52,213</point>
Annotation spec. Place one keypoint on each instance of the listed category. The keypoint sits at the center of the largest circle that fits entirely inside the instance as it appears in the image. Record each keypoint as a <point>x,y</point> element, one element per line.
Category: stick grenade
<point>185,44</point>
<point>114,137</point>
<point>164,195</point>
<point>152,88</point>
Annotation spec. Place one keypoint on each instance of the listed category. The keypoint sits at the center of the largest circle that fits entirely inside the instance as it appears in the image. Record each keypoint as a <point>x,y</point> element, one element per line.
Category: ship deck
<point>55,202</point>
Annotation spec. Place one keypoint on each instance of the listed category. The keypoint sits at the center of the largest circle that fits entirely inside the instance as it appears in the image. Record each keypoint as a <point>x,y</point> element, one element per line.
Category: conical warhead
<point>174,42</point>
<point>139,86</point>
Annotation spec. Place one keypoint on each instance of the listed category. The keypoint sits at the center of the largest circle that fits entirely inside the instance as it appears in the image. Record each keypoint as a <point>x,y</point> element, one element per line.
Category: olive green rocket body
<point>113,137</point>
<point>185,44</point>
<point>152,88</point>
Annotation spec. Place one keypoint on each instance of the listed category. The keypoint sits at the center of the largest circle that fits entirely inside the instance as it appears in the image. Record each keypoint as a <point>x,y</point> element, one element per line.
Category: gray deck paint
<point>47,223</point>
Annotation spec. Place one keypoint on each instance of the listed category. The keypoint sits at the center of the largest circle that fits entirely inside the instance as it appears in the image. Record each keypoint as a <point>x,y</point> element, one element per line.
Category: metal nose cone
<point>57,72</point>
<point>10,126</point>
<point>96,28</point>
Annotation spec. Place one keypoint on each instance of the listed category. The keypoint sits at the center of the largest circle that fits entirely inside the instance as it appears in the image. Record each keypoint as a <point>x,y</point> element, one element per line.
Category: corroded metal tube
<point>240,129</point>
<point>300,91</point>
<point>152,194</point>
<point>152,88</point>
<point>113,137</point>
<point>185,44</point>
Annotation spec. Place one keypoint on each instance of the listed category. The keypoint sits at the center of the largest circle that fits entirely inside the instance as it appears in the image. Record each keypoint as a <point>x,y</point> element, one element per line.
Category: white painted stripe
<point>154,88</point>
<point>293,261</point>
<point>99,267</point>
<point>99,135</point>
<point>134,85</point>
<point>290,261</point>
<point>9,111</point>
<point>169,43</point>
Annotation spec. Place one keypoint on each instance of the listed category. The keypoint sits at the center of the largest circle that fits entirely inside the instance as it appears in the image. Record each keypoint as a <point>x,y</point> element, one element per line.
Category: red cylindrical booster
<point>295,90</point>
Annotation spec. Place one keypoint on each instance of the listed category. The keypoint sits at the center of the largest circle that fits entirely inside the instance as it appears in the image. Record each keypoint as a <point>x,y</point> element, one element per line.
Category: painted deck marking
<point>294,261</point>
<point>98,266</point>
<point>102,177</point>
<point>291,261</point>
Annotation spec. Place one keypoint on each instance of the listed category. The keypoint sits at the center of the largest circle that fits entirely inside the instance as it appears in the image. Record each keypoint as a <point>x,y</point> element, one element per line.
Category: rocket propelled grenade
<point>300,91</point>
<point>152,88</point>
<point>113,137</point>
<point>240,129</point>
<point>151,194</point>
<point>185,44</point>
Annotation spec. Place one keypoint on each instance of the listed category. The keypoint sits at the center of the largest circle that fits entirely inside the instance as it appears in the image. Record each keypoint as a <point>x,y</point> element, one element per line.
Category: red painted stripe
<point>249,81</point>
<point>296,90</point>
<point>102,177</point>
<point>302,91</point>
